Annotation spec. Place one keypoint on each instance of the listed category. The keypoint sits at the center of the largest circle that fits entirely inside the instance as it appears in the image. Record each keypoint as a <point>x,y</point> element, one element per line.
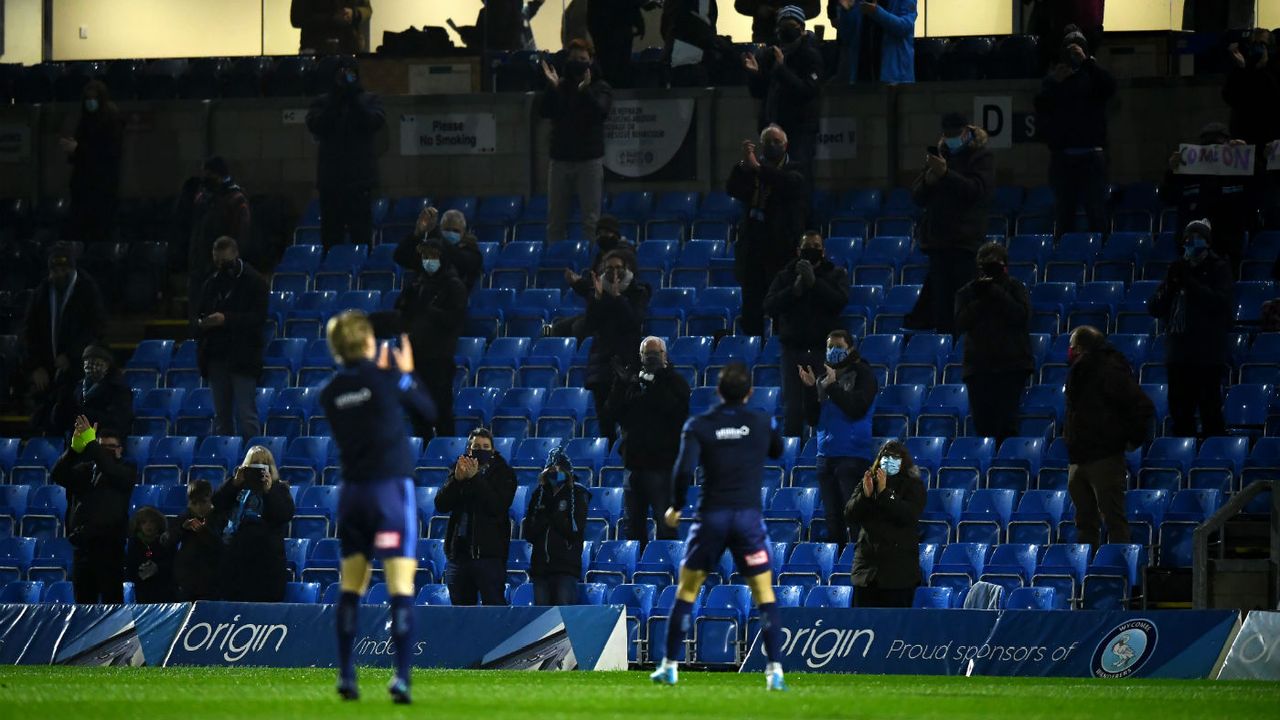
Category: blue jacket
<point>842,411</point>
<point>897,19</point>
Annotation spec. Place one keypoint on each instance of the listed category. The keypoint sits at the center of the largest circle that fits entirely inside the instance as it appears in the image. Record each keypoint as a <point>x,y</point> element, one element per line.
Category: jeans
<point>345,213</point>
<point>234,401</point>
<point>551,590</point>
<point>1079,180</point>
<point>993,402</point>
<point>564,179</point>
<point>1191,388</point>
<point>793,420</point>
<point>949,270</point>
<point>646,492</point>
<point>837,477</point>
<point>1097,489</point>
<point>483,580</point>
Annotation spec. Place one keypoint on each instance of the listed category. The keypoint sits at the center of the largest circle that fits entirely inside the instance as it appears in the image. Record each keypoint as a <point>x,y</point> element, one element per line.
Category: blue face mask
<point>453,237</point>
<point>562,477</point>
<point>91,105</point>
<point>431,266</point>
<point>350,77</point>
<point>954,143</point>
<point>1196,247</point>
<point>836,355</point>
<point>891,465</point>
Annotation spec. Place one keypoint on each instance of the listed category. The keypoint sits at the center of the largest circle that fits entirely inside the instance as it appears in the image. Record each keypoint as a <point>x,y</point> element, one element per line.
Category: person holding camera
<point>232,312</point>
<point>840,403</point>
<point>433,309</point>
<point>258,508</point>
<point>576,102</point>
<point>199,546</point>
<point>616,312</point>
<point>148,557</point>
<point>554,524</point>
<point>887,505</point>
<point>330,27</point>
<point>955,190</point>
<point>993,317</point>
<point>98,488</point>
<point>1194,305</point>
<point>651,406</point>
<point>461,248</point>
<point>477,496</point>
<point>785,77</point>
<point>344,122</point>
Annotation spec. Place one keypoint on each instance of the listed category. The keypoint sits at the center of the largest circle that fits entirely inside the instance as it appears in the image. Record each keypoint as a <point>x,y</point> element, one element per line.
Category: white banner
<point>1273,155</point>
<point>1255,654</point>
<point>451,134</point>
<point>642,136</point>
<point>1216,159</point>
<point>837,138</point>
<point>15,143</point>
<point>995,115</point>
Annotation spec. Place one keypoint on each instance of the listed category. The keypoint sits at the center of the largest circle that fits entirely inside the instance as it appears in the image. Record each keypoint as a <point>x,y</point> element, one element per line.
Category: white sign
<point>1255,653</point>
<point>294,117</point>
<point>995,115</point>
<point>15,143</point>
<point>641,136</point>
<point>1216,159</point>
<point>837,138</point>
<point>1273,155</point>
<point>451,134</point>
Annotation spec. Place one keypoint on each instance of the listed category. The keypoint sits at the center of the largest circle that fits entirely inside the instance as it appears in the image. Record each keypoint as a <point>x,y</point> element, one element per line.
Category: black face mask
<point>607,242</point>
<point>210,184</point>
<point>227,268</point>
<point>484,456</point>
<point>62,283</point>
<point>992,269</point>
<point>576,69</point>
<point>788,34</point>
<point>773,151</point>
<point>813,255</point>
<point>651,361</point>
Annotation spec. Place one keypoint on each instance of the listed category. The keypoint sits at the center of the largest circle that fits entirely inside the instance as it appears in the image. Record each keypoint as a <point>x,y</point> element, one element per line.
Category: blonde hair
<point>348,335</point>
<point>261,455</point>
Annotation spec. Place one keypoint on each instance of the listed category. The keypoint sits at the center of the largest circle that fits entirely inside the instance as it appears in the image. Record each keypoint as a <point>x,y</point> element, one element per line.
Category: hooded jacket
<point>479,512</point>
<point>887,555</point>
<point>433,310</point>
<point>896,19</point>
<point>994,316</point>
<point>1195,304</point>
<point>956,205</point>
<point>842,412</point>
<point>98,489</point>
<point>345,122</point>
<point>1106,410</point>
<point>803,318</point>
<point>555,523</point>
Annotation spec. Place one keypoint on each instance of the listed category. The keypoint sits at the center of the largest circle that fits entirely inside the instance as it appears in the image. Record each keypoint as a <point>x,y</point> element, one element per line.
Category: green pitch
<point>244,694</point>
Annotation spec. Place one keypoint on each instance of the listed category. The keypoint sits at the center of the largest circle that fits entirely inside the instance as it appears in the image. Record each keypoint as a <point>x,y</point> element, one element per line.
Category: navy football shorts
<point>378,519</point>
<point>741,531</point>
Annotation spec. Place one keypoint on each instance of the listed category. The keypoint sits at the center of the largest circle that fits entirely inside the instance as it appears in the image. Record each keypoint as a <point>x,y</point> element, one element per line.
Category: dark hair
<point>110,432</point>
<point>811,233</point>
<point>224,243</point>
<point>198,490</point>
<point>735,383</point>
<point>482,432</point>
<point>217,165</point>
<point>580,44</point>
<point>143,514</point>
<point>843,335</point>
<point>1089,338</point>
<point>627,257</point>
<point>104,96</point>
<point>896,448</point>
<point>993,252</point>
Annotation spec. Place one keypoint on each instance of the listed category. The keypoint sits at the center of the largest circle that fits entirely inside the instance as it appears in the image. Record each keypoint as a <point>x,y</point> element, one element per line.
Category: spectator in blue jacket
<point>840,404</point>
<point>877,39</point>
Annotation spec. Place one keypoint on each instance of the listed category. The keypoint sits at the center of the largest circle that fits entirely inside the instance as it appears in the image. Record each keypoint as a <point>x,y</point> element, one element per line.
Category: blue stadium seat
<point>1017,463</point>
<point>290,412</point>
<point>1166,463</point>
<point>936,598</point>
<point>896,409</point>
<point>941,515</point>
<point>659,564</point>
<point>959,566</point>
<point>60,592</point>
<point>967,460</point>
<point>638,601</point>
<point>1188,509</point>
<point>22,592</point>
<point>986,515</point>
<point>1112,577</point>
<point>1037,517</point>
<point>829,596</point>
<point>300,592</point>
<point>435,594</point>
<point>13,505</point>
<point>16,556</point>
<point>1034,598</point>
<point>943,413</point>
<point>810,563</point>
<point>316,512</point>
<point>789,513</point>
<point>1145,511</point>
<point>719,631</point>
<point>1062,567</point>
<point>614,563</point>
<point>1011,566</point>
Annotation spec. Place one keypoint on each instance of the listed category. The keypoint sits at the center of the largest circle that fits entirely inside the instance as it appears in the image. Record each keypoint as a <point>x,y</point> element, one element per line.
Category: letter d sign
<point>994,114</point>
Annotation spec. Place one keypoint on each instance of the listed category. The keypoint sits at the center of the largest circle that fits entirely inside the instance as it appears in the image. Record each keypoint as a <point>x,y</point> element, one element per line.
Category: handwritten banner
<point>1216,159</point>
<point>1273,155</point>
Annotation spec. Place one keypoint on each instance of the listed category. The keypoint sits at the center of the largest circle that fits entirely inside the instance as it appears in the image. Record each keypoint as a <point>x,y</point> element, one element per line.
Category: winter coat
<point>956,205</point>
<point>253,564</point>
<point>1106,410</point>
<point>773,215</point>
<point>1072,113</point>
<point>95,163</point>
<point>788,91</point>
<point>218,213</point>
<point>98,490</point>
<point>577,118</point>
<point>433,309</point>
<point>1253,95</point>
<point>617,325</point>
<point>994,316</point>
<point>156,588</point>
<point>324,32</point>
<point>651,415</point>
<point>242,299</point>
<point>81,320</point>
<point>887,556</point>
<point>479,512</point>
<point>1195,305</point>
<point>555,523</point>
<point>345,122</point>
<point>842,412</point>
<point>896,19</point>
<point>107,403</point>
<point>804,316</point>
<point>197,558</point>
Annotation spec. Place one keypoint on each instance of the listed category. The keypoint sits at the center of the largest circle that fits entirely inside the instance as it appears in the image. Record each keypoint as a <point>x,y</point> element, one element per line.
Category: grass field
<point>196,693</point>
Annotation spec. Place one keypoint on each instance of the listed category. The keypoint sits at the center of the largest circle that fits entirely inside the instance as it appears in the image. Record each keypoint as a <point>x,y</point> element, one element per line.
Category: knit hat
<point>97,352</point>
<point>1075,37</point>
<point>558,458</point>
<point>609,223</point>
<point>793,12</point>
<point>1214,133</point>
<point>954,121</point>
<point>1199,227</point>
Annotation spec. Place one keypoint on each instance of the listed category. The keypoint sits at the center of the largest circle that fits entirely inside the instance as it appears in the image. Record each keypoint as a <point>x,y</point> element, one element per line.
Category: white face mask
<point>891,465</point>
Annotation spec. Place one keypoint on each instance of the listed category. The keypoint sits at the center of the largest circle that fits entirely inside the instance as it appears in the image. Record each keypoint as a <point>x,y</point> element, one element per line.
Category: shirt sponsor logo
<point>732,433</point>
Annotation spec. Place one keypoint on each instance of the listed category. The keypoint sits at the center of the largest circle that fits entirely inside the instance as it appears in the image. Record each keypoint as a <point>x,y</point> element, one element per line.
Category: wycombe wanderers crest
<point>1125,649</point>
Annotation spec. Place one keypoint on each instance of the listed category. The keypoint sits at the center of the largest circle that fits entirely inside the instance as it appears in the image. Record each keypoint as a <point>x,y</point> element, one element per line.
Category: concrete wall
<point>22,23</point>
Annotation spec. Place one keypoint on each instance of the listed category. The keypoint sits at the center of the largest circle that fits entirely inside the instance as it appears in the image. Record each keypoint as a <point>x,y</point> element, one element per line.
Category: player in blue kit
<point>731,442</point>
<point>377,516</point>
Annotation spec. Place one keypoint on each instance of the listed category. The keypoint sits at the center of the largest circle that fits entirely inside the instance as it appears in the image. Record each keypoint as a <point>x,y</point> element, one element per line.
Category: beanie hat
<point>97,352</point>
<point>793,12</point>
<point>1199,227</point>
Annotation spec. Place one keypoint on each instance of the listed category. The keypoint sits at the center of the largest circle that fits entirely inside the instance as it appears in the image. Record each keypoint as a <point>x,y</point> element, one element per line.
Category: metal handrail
<point>1200,539</point>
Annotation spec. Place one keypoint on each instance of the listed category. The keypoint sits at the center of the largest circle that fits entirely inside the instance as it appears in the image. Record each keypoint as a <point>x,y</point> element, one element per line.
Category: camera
<point>255,477</point>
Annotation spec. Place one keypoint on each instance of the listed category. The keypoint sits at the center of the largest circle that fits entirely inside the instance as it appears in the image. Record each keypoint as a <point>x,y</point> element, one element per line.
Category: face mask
<point>431,266</point>
<point>484,456</point>
<point>561,477</point>
<point>91,105</point>
<point>1197,247</point>
<point>576,68</point>
<point>836,355</point>
<point>891,465</point>
<point>94,370</point>
<point>350,77</point>
<point>992,269</point>
<point>227,268</point>
<point>651,361</point>
<point>453,237</point>
<point>788,34</point>
<point>954,143</point>
<point>813,255</point>
<point>774,151</point>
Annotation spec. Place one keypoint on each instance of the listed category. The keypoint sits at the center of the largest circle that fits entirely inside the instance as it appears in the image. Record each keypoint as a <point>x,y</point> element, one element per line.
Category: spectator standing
<point>840,403</point>
<point>1071,110</point>
<point>616,313</point>
<point>94,154</point>
<point>477,496</point>
<point>344,122</point>
<point>555,524</point>
<point>993,318</point>
<point>887,504</point>
<point>1253,93</point>
<point>805,301</point>
<point>955,190</point>
<point>433,309</point>
<point>877,40</point>
<point>98,487</point>
<point>65,316</point>
<point>576,102</point>
<point>199,546</point>
<point>101,395</point>
<point>232,312</point>
<point>785,77</point>
<point>689,35</point>
<point>220,209</point>
<point>460,248</point>
<point>614,25</point>
<point>1106,414</point>
<point>1228,203</point>
<point>772,190</point>
<point>608,239</point>
<point>1194,305</point>
<point>258,508</point>
<point>651,406</point>
<point>764,15</point>
<point>148,559</point>
<point>330,27</point>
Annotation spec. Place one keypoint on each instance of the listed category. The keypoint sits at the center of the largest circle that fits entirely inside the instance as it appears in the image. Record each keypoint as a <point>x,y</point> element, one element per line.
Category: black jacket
<point>994,316</point>
<point>1073,113</point>
<point>1195,303</point>
<point>108,403</point>
<point>1254,97</point>
<point>1229,203</point>
<point>651,415</point>
<point>223,211</point>
<point>465,257</point>
<point>774,216</point>
<point>433,309</point>
<point>157,588</point>
<point>95,164</point>
<point>253,564</point>
<point>485,502</point>
<point>242,299</point>
<point>788,92</point>
<point>803,316</point>
<point>197,558</point>
<point>98,489</point>
<point>956,205</point>
<point>1106,411</point>
<point>554,524</point>
<point>617,324</point>
<point>577,118</point>
<point>764,24</point>
<point>681,21</point>
<point>345,122</point>
<point>322,29</point>
<point>81,323</point>
<point>888,552</point>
